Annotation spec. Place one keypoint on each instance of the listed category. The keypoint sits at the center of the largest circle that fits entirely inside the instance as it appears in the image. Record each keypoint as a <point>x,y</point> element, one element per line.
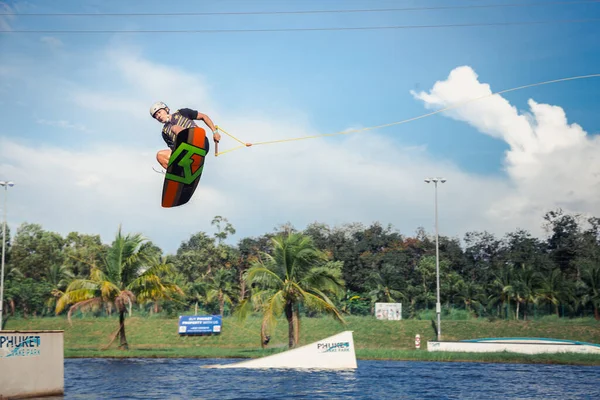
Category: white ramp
<point>334,352</point>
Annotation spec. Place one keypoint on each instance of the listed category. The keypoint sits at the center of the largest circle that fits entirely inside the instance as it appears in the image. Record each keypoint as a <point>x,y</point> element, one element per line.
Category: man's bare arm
<point>207,121</point>
<point>210,124</point>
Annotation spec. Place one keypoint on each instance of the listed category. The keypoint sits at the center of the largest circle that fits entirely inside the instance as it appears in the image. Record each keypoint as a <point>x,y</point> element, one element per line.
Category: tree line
<point>516,276</point>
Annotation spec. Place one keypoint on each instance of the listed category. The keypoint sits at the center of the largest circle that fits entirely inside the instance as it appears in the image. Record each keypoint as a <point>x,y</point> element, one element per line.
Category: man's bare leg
<point>163,158</point>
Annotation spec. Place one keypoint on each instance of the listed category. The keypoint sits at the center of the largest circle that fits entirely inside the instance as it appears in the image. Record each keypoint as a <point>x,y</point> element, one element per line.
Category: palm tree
<point>552,289</point>
<point>382,291</point>
<point>59,276</point>
<point>591,279</point>
<point>524,287</point>
<point>196,291</point>
<point>499,289</point>
<point>221,287</point>
<point>471,294</point>
<point>125,272</point>
<point>297,273</point>
<point>159,282</point>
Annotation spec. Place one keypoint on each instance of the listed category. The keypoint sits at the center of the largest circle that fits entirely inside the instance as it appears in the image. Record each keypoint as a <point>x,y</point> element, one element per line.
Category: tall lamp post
<point>6,185</point>
<point>438,306</point>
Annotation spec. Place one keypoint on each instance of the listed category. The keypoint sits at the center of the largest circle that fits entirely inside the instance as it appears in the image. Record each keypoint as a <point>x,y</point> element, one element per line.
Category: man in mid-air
<point>175,123</point>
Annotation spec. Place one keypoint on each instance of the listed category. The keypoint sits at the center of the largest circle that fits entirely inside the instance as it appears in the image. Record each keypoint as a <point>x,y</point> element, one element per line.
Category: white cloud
<point>91,191</point>
<point>351,180</point>
<point>551,162</point>
<point>362,177</point>
<point>136,83</point>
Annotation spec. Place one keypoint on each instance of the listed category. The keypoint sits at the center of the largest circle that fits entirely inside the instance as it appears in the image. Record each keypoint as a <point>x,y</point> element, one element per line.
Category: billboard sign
<point>389,311</point>
<point>199,324</point>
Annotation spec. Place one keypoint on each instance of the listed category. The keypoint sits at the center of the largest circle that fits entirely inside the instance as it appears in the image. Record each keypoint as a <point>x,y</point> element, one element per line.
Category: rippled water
<point>185,378</point>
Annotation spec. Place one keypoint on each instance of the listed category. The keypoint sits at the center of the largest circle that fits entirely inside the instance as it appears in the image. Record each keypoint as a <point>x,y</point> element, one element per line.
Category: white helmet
<point>157,106</point>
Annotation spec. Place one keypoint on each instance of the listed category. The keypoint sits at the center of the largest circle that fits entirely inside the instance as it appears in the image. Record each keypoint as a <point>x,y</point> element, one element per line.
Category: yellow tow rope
<point>246,144</point>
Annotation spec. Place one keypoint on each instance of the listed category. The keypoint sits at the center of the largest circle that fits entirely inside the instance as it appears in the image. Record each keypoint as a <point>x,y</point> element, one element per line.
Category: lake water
<point>186,379</point>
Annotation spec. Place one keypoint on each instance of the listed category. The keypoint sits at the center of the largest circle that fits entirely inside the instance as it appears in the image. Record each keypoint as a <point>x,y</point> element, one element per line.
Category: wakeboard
<point>185,167</point>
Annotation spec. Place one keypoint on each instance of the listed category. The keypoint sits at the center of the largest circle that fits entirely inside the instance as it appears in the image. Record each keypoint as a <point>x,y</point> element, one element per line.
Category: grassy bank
<point>389,340</point>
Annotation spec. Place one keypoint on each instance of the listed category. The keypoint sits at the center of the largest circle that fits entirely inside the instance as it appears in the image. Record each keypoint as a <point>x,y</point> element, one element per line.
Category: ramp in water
<point>334,352</point>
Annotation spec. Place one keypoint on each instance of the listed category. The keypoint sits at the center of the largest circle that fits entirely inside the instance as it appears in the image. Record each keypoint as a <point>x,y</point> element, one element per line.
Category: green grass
<point>374,339</point>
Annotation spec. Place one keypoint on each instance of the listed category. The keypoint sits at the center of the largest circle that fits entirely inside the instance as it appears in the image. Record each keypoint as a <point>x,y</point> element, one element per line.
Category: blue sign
<point>19,346</point>
<point>199,324</point>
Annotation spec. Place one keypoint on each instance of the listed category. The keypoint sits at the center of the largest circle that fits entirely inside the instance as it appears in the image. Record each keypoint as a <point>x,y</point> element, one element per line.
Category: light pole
<point>6,186</point>
<point>438,306</point>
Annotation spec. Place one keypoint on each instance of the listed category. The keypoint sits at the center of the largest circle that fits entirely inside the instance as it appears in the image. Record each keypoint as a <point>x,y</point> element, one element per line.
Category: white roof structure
<point>516,345</point>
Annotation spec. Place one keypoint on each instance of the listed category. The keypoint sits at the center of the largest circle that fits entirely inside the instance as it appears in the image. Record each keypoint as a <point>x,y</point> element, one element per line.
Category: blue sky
<point>79,102</point>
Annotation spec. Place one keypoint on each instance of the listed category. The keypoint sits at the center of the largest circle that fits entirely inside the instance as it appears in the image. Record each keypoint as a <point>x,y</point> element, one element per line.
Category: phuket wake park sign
<point>20,345</point>
<point>31,363</point>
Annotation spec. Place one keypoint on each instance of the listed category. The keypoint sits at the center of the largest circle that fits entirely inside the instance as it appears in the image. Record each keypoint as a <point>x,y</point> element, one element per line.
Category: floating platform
<point>516,345</point>
<point>335,352</point>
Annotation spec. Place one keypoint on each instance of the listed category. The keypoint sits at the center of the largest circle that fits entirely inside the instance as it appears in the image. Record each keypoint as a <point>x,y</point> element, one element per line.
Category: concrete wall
<point>31,364</point>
